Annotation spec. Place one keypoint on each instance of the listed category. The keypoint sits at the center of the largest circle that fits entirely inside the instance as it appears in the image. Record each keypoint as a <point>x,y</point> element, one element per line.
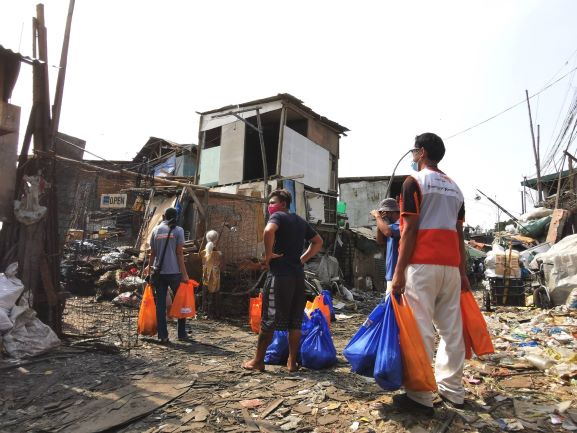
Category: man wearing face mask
<point>283,300</point>
<point>431,270</point>
<point>387,218</point>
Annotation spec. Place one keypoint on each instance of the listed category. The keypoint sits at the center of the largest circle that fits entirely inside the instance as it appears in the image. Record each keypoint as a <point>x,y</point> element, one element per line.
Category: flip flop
<point>295,370</point>
<point>244,366</point>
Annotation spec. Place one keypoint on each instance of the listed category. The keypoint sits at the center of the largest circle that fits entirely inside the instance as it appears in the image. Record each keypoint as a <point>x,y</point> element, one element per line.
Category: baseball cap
<point>388,205</point>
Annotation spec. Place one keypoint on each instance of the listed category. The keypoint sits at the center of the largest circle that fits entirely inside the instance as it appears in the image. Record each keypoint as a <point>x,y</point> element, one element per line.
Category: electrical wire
<point>511,107</point>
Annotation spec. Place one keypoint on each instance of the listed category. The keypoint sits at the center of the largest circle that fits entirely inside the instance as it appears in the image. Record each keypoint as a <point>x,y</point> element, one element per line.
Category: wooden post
<point>535,151</point>
<point>572,177</point>
<point>56,107</point>
<point>283,117</point>
<point>263,153</point>
<point>201,140</point>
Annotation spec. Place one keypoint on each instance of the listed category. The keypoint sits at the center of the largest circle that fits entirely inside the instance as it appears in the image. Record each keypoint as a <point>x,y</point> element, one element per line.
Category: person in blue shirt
<point>387,217</point>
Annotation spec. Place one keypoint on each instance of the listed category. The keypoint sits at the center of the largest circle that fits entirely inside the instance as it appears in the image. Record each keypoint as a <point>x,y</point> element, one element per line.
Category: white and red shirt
<point>439,203</point>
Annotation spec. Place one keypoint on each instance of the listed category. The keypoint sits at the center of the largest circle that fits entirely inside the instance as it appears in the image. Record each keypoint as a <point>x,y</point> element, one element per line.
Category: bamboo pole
<point>161,180</point>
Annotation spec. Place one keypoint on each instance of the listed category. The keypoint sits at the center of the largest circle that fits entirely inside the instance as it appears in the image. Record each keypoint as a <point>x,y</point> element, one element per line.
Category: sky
<point>387,70</point>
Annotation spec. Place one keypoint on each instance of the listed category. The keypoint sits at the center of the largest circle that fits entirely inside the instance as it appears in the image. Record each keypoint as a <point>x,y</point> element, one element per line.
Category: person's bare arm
<point>465,285</point>
<point>382,227</point>
<point>181,265</point>
<point>406,249</point>
<point>151,258</point>
<point>315,246</point>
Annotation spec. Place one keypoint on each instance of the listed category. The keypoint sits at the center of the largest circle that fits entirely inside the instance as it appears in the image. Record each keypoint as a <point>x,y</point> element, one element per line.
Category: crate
<point>510,292</point>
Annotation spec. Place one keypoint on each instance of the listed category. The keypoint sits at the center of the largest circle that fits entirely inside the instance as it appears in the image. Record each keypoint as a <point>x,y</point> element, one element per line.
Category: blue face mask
<point>415,165</point>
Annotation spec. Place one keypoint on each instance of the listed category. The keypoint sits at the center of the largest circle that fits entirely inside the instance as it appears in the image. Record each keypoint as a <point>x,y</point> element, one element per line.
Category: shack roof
<point>288,98</point>
<point>21,57</point>
<point>162,146</point>
<point>550,179</point>
<point>398,178</point>
<point>549,182</point>
<point>364,232</point>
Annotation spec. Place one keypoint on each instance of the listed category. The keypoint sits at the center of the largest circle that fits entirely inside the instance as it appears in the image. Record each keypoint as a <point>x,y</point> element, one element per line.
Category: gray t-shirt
<point>157,241</point>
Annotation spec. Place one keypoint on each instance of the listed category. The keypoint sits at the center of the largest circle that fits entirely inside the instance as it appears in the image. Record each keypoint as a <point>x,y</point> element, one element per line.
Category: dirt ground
<point>199,386</point>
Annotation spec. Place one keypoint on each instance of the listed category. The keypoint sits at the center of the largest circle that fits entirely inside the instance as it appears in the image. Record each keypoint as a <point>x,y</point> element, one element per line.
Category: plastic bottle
<point>539,362</point>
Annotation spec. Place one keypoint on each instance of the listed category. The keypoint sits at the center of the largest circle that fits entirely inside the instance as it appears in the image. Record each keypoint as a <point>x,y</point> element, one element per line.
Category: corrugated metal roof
<point>284,97</point>
<point>400,177</point>
<point>364,232</point>
<point>156,142</point>
<point>20,56</point>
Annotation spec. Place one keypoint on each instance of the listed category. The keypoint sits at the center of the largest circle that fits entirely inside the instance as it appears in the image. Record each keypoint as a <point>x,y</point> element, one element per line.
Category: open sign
<point>114,201</point>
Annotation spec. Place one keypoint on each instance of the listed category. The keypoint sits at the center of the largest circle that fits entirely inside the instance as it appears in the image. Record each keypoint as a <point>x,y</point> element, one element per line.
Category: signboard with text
<point>113,201</point>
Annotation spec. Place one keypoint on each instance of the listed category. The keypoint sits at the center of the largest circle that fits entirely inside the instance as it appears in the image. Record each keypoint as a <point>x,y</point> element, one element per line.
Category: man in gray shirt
<point>172,272</point>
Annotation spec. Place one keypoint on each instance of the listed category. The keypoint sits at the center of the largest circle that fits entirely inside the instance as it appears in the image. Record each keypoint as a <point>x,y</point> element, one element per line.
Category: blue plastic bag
<point>278,350</point>
<point>318,350</point>
<point>329,302</point>
<point>388,371</point>
<point>361,351</point>
<point>306,328</point>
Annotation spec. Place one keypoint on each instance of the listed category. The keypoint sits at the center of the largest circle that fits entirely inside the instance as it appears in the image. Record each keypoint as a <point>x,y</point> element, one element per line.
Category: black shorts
<point>283,303</point>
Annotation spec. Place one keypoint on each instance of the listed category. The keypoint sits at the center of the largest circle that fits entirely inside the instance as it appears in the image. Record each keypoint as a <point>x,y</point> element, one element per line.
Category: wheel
<point>541,298</point>
<point>311,292</point>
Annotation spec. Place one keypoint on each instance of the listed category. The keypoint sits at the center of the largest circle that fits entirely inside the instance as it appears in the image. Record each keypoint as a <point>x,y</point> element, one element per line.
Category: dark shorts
<point>283,303</point>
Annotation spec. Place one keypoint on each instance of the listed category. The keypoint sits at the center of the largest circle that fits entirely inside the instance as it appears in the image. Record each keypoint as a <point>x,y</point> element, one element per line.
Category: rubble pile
<point>104,273</point>
<point>507,391</point>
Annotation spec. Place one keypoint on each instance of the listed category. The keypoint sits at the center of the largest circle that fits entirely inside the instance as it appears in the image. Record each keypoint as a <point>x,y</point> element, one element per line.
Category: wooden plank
<point>272,407</point>
<point>123,405</point>
<point>196,201</point>
<point>557,225</point>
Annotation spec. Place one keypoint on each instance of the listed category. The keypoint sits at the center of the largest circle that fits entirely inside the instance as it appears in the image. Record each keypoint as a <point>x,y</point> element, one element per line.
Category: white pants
<point>433,293</point>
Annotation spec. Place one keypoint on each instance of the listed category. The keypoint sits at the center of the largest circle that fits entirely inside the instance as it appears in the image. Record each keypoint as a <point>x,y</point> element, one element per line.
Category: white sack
<point>535,214</point>
<point>29,336</point>
<point>5,322</point>
<point>560,267</point>
<point>10,288</point>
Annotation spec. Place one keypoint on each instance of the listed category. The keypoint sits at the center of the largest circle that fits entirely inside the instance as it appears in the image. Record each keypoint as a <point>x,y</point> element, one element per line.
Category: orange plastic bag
<point>183,305</point>
<point>146,324</point>
<point>474,326</point>
<point>467,339</point>
<point>255,313</point>
<point>417,371</point>
<point>319,302</point>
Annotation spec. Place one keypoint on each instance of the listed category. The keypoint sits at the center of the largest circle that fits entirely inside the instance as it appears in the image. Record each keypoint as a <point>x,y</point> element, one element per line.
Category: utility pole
<point>535,151</point>
<point>524,194</point>
<point>565,155</point>
<point>56,107</point>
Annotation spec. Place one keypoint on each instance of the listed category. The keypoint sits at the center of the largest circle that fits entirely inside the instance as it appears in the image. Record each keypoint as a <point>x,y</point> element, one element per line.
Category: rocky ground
<point>199,386</point>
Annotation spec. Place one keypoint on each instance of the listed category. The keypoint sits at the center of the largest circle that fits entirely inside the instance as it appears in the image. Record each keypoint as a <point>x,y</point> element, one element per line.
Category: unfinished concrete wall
<point>361,197</point>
